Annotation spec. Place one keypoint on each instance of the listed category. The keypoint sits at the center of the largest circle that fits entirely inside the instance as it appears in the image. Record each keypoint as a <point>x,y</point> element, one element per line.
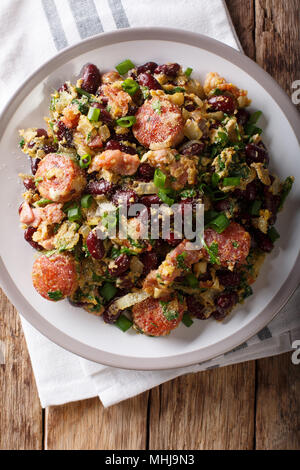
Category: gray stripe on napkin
<point>55,24</point>
<point>86,17</point>
<point>265,333</point>
<point>119,14</point>
<point>238,348</point>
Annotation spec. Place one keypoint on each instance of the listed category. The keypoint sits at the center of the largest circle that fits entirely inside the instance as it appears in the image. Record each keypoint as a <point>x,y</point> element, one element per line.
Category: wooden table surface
<point>255,405</point>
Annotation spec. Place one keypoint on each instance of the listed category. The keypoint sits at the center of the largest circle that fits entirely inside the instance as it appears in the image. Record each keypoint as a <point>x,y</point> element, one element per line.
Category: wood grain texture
<point>21,424</point>
<point>87,425</point>
<point>243,17</point>
<point>277,39</point>
<point>278,404</point>
<point>207,410</point>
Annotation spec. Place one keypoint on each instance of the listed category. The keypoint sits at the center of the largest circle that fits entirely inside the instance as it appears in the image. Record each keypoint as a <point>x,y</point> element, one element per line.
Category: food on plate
<point>152,137</point>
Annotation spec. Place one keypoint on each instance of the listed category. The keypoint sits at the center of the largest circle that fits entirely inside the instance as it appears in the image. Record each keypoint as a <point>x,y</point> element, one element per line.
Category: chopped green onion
<point>83,92</point>
<point>93,114</point>
<point>188,72</point>
<point>255,208</point>
<point>176,89</point>
<point>85,161</point>
<point>215,178</point>
<point>159,178</point>
<point>74,214</point>
<point>250,128</point>
<point>86,201</point>
<point>55,295</point>
<point>217,92</point>
<point>126,121</point>
<point>192,280</point>
<point>43,202</point>
<point>123,323</point>
<point>186,320</point>
<point>273,234</point>
<point>157,106</point>
<point>287,187</point>
<point>220,223</point>
<point>130,86</point>
<point>165,198</point>
<point>124,66</point>
<point>108,291</point>
<point>233,181</point>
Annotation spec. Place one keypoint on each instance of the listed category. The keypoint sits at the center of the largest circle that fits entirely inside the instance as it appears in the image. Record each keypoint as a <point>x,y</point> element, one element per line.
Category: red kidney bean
<point>64,132</point>
<point>171,240</point>
<point>251,191</point>
<point>41,133</point>
<point>110,315</point>
<point>99,187</point>
<point>205,276</point>
<point>150,199</point>
<point>242,116</point>
<point>147,67</point>
<point>256,154</point>
<point>29,183</point>
<point>263,241</point>
<point>171,70</point>
<point>125,283</point>
<point>28,233</point>
<point>222,206</point>
<point>124,197</point>
<point>271,202</point>
<point>195,308</point>
<point>195,148</point>
<point>121,265</point>
<point>132,74</point>
<point>145,172</point>
<point>224,103</point>
<point>115,145</point>
<point>76,304</point>
<point>95,246</point>
<point>149,260</point>
<point>64,87</point>
<point>52,148</point>
<point>146,79</point>
<point>104,114</point>
<point>125,137</point>
<point>229,279</point>
<point>190,107</point>
<point>224,302</point>
<point>34,165</point>
<point>91,78</point>
<point>31,144</point>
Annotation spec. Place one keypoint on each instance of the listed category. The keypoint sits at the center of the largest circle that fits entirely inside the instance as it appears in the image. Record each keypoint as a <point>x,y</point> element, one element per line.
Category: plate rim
<point>280,298</point>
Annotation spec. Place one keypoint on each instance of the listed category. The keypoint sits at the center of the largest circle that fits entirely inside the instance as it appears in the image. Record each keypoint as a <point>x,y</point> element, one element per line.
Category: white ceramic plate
<point>85,334</point>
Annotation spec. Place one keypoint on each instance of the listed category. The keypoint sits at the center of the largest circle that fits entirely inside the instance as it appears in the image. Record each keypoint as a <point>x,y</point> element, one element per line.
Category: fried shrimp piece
<point>59,178</point>
<point>54,277</point>
<point>118,100</point>
<point>214,80</point>
<point>116,161</point>
<point>157,318</point>
<point>159,124</point>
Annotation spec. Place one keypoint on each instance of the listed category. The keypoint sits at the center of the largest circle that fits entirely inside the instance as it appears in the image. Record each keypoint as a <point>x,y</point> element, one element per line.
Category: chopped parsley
<point>55,295</point>
<point>186,193</point>
<point>157,106</point>
<point>22,143</point>
<point>169,313</point>
<point>180,261</point>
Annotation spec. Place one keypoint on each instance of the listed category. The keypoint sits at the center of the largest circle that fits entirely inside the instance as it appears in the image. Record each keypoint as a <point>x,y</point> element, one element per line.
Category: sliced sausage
<point>155,318</point>
<point>159,124</point>
<point>54,277</point>
<point>233,244</point>
<point>59,178</point>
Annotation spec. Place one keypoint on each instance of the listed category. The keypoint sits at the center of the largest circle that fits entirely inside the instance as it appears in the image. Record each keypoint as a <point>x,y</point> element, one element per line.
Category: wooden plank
<point>243,17</point>
<point>21,422</point>
<point>87,425</point>
<point>278,404</point>
<point>207,410</point>
<point>277,39</point>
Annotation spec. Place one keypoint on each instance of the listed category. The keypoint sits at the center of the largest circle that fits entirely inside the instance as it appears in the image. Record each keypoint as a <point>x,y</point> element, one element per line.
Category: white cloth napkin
<point>31,33</point>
